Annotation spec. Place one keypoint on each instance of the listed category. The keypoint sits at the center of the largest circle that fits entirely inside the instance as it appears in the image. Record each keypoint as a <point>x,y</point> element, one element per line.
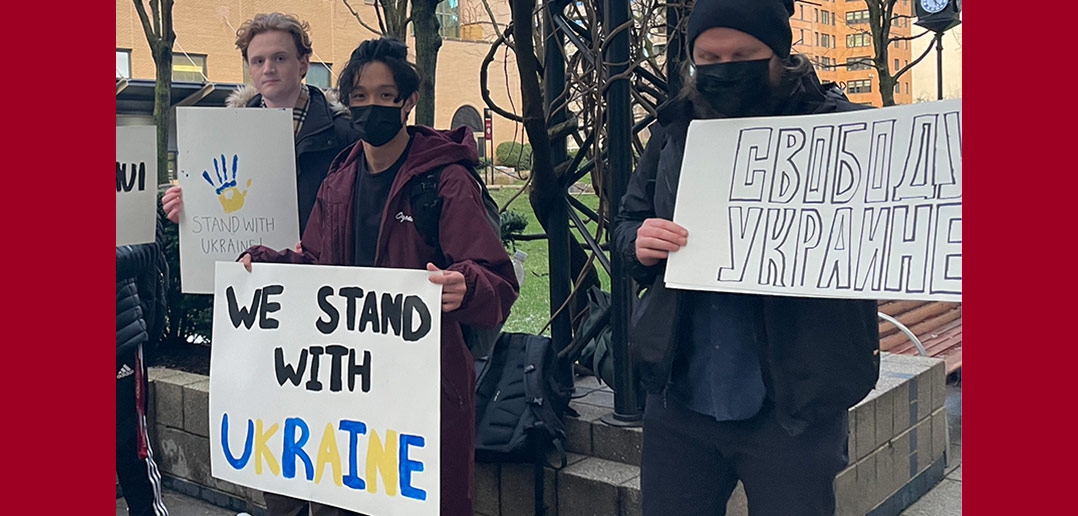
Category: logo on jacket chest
<point>401,217</point>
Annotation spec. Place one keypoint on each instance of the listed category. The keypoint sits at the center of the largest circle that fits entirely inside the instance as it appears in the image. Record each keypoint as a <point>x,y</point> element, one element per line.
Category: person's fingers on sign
<point>172,203</point>
<point>246,261</point>
<point>453,286</point>
<point>657,238</point>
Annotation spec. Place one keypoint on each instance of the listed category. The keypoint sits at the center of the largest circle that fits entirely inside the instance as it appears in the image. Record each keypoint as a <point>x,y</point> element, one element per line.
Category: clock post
<point>938,16</point>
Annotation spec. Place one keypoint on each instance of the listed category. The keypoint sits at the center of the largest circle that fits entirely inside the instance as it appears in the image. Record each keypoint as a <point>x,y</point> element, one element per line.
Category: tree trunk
<point>547,194</point>
<point>162,107</point>
<point>427,43</point>
<point>396,16</point>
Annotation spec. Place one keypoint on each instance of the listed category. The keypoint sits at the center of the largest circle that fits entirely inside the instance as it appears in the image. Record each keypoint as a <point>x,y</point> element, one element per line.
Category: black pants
<point>691,463</point>
<point>139,478</point>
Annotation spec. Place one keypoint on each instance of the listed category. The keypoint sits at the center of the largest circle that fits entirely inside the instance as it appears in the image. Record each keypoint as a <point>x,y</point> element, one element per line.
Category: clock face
<point>933,6</point>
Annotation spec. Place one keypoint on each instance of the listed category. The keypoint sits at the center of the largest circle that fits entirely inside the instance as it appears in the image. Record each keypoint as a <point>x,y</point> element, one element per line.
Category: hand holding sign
<point>172,203</point>
<point>453,287</point>
<point>656,238</point>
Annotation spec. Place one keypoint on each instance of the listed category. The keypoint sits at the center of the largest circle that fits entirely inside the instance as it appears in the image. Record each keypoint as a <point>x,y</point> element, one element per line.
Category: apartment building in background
<point>205,51</point>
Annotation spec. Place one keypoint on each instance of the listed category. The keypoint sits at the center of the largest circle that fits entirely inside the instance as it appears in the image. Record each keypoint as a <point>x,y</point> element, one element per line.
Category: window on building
<point>855,17</point>
<point>858,63</point>
<point>448,13</point>
<point>833,18</point>
<point>858,40</point>
<point>898,44</point>
<point>826,63</point>
<point>907,87</point>
<point>898,88</point>
<point>123,63</point>
<point>825,17</point>
<point>802,12</point>
<point>896,65</point>
<point>802,40</point>
<point>825,40</point>
<point>817,39</point>
<point>834,41</point>
<point>817,15</point>
<point>320,74</point>
<point>859,86</point>
<point>188,67</point>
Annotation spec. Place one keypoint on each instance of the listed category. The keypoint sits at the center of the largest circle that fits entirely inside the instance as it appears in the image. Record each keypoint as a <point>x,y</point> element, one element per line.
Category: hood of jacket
<point>248,96</point>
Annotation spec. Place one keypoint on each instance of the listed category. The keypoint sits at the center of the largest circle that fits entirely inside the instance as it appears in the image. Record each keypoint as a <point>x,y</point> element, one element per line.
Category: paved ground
<point>945,499</point>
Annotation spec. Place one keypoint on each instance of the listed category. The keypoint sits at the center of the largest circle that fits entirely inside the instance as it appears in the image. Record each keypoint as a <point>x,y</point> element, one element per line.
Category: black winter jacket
<point>326,131</point>
<point>820,356</point>
<point>141,294</point>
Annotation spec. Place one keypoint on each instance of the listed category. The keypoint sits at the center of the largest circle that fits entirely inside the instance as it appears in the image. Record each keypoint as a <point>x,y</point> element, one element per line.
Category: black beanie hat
<point>766,20</point>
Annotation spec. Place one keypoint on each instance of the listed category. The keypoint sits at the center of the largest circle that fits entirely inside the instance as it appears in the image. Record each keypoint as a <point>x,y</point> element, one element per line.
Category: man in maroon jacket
<point>363,216</point>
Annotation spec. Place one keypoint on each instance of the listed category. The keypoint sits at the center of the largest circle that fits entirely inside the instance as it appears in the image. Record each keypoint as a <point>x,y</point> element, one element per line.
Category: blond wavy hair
<point>265,22</point>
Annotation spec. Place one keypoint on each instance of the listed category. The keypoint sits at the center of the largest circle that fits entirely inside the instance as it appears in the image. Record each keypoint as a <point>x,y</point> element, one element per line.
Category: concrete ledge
<point>897,442</point>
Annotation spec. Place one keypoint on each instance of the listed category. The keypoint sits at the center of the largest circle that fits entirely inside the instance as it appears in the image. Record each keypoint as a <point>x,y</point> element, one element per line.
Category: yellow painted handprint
<point>230,197</point>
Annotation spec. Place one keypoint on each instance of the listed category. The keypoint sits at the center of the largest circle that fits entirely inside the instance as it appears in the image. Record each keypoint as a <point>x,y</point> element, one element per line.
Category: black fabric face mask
<point>376,124</point>
<point>737,88</point>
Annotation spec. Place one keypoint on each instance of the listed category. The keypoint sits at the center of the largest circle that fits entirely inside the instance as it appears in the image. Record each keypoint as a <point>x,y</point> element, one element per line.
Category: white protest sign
<point>864,204</point>
<point>136,184</point>
<point>325,385</point>
<point>238,173</point>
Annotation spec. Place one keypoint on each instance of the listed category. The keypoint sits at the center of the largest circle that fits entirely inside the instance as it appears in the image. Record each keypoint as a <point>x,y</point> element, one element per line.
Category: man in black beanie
<point>740,387</point>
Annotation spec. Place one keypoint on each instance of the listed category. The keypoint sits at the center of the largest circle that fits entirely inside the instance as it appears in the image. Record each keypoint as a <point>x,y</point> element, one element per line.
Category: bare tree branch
<point>359,19</point>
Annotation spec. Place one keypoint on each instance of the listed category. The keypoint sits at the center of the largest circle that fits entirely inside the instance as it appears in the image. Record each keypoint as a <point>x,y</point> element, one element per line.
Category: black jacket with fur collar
<point>326,131</point>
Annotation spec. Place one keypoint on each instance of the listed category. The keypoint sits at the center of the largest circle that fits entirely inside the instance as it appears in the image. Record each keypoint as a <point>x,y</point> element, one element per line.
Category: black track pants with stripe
<point>139,477</point>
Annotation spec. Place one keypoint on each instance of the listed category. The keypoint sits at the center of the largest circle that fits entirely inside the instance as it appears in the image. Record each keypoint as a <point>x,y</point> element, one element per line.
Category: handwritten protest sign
<point>325,385</point>
<point>865,204</point>
<point>136,184</point>
<point>238,173</point>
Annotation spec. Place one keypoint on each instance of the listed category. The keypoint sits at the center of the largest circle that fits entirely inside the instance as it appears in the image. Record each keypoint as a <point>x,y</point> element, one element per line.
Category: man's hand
<point>453,287</point>
<point>656,238</point>
<point>172,203</point>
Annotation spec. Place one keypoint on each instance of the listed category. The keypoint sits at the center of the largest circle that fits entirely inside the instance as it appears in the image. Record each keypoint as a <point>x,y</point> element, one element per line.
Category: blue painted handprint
<point>230,197</point>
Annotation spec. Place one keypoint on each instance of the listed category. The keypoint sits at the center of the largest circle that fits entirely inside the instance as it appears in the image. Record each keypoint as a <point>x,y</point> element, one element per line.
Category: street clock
<point>938,15</point>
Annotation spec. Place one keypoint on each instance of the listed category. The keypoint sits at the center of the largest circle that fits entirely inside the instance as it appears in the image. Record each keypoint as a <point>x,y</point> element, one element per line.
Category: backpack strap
<point>534,380</point>
<point>427,208</point>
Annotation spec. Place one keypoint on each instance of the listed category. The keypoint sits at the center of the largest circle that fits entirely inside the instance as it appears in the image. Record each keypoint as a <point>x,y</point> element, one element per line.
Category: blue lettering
<point>407,466</point>
<point>242,461</point>
<point>294,448</point>
<point>354,428</point>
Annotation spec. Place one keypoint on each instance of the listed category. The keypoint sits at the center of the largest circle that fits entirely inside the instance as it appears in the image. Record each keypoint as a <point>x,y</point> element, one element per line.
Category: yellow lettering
<point>327,453</point>
<point>261,450</point>
<point>384,459</point>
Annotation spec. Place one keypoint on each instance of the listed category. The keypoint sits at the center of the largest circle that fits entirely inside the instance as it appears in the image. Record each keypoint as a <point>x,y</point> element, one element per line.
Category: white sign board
<point>238,173</point>
<point>136,184</point>
<point>864,204</point>
<point>325,385</point>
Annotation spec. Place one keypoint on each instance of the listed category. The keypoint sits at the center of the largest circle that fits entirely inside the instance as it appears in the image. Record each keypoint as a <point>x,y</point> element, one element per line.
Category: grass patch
<point>532,308</point>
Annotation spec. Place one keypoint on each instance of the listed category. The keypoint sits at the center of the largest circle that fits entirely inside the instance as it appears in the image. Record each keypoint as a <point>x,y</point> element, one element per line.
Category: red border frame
<point>1018,455</point>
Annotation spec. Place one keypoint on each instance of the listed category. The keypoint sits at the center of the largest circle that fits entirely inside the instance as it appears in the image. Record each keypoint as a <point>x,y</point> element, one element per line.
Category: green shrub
<point>513,154</point>
<point>513,223</point>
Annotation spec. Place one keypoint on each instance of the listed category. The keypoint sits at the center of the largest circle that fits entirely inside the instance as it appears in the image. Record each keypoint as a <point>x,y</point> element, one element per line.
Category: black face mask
<point>376,124</point>
<point>737,88</point>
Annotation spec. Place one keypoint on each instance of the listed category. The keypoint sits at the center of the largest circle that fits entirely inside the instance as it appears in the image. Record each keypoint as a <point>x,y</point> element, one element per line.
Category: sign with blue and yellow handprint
<point>238,174</point>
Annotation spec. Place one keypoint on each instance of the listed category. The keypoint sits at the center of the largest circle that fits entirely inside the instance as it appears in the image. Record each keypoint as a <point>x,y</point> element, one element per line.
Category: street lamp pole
<point>939,65</point>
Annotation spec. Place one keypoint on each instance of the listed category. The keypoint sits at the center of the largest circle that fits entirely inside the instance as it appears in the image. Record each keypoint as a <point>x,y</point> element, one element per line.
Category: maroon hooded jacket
<point>469,246</point>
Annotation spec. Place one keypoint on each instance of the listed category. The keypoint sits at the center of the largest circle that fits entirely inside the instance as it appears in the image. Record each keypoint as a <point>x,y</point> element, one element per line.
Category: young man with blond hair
<point>277,50</point>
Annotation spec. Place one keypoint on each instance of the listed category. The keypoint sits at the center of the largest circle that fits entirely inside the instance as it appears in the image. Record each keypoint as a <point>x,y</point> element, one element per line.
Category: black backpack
<point>519,404</point>
<point>427,211</point>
